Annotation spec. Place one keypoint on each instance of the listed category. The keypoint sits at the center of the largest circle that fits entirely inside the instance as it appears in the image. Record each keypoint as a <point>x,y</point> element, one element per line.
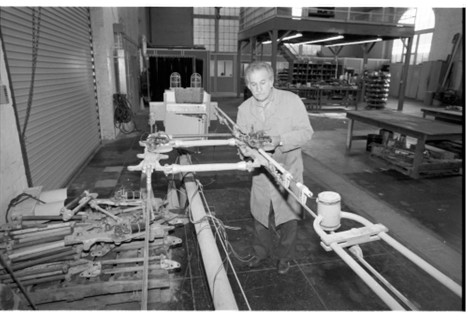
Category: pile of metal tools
<point>97,248</point>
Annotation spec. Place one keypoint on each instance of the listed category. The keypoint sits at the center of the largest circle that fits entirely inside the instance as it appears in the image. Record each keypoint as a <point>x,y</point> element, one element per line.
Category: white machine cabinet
<point>182,118</point>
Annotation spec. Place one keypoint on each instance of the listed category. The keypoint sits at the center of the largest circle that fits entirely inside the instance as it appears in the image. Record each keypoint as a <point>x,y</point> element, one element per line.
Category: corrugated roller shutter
<point>63,126</point>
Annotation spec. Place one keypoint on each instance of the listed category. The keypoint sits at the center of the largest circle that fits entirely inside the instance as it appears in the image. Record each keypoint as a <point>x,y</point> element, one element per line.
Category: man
<point>282,116</point>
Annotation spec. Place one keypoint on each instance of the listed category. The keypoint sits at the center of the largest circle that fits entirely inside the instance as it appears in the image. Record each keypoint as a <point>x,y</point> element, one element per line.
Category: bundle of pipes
<point>72,248</point>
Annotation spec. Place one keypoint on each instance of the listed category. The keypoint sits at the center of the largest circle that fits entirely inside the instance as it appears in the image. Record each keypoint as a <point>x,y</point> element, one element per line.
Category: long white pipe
<point>200,143</point>
<point>366,277</point>
<point>436,274</point>
<point>174,168</point>
<point>221,291</point>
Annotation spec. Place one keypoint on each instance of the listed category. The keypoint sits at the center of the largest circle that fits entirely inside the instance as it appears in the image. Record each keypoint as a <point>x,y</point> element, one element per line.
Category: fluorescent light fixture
<point>321,40</point>
<point>354,42</point>
<point>297,35</point>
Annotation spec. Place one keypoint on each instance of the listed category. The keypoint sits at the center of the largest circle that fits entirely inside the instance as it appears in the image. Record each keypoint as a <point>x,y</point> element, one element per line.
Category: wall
<point>102,20</point>
<point>12,172</point>
<point>448,22</point>
<point>171,26</point>
<point>134,24</point>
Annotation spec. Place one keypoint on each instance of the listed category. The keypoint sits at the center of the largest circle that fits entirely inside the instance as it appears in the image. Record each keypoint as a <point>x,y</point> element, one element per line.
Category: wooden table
<point>413,126</point>
<point>443,114</point>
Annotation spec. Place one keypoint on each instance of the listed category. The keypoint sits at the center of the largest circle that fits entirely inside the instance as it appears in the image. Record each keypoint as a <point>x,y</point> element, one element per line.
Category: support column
<point>274,50</point>
<point>253,45</point>
<point>404,74</point>
<point>239,66</point>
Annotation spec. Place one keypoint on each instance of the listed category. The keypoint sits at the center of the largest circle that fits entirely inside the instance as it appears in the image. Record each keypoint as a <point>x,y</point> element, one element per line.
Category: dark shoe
<point>283,266</point>
<point>255,261</point>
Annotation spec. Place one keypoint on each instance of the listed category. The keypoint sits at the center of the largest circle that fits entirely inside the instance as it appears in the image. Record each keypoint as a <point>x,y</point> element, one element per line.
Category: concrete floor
<point>425,215</point>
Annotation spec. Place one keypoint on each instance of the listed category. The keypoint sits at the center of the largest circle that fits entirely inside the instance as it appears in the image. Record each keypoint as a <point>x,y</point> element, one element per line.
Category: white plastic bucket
<point>329,208</point>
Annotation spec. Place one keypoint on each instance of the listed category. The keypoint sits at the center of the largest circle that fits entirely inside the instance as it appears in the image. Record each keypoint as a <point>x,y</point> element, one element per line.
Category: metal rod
<point>221,291</point>
<point>200,143</point>
<point>358,255</point>
<point>23,290</point>
<point>174,168</point>
<point>439,276</point>
<point>147,211</point>
<point>436,274</point>
<point>41,229</point>
<point>35,249</point>
<point>55,257</point>
<point>376,287</point>
<point>201,135</point>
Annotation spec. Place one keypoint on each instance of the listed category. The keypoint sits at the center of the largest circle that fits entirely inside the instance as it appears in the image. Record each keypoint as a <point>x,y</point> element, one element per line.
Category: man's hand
<point>275,142</point>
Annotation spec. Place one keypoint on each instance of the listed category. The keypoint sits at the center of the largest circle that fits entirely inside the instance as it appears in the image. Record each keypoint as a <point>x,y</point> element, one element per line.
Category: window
<point>228,30</point>
<point>204,33</point>
<point>204,28</point>
<point>424,28</point>
<point>224,68</point>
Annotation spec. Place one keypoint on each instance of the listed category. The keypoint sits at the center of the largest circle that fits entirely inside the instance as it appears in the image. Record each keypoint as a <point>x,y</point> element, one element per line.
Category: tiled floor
<point>432,209</point>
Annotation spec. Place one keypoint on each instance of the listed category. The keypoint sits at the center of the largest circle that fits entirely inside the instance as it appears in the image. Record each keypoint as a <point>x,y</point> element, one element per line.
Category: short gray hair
<point>258,65</point>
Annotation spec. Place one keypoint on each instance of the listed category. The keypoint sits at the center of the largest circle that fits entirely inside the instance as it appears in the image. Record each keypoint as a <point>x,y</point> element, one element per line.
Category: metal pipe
<point>41,229</point>
<point>21,287</point>
<point>436,274</point>
<point>199,143</point>
<point>201,135</point>
<point>356,250</point>
<point>376,287</point>
<point>35,249</point>
<point>55,257</point>
<point>175,169</point>
<point>221,291</point>
<point>368,279</point>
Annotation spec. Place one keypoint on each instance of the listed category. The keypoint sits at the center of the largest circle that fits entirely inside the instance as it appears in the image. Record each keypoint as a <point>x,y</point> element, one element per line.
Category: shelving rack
<point>377,88</point>
<point>312,72</point>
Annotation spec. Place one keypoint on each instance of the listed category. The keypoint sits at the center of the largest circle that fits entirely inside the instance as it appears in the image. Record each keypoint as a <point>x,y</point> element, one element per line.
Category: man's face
<point>260,84</point>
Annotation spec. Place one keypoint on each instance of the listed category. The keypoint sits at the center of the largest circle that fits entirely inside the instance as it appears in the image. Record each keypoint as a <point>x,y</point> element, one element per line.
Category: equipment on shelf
<point>377,86</point>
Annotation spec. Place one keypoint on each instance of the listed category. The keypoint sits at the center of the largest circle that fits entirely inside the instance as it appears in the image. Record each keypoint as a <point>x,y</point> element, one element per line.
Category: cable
<point>123,113</point>
<point>224,242</point>
<point>18,200</point>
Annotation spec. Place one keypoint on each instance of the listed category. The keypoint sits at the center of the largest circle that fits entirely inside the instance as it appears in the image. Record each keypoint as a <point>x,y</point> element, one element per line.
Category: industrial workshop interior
<point>129,175</point>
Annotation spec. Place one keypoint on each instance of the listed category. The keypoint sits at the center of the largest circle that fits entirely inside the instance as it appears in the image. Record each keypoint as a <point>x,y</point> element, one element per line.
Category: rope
<point>36,25</point>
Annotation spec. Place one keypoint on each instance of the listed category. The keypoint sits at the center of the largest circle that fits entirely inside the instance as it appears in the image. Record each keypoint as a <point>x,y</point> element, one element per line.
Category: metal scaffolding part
<point>221,291</point>
<point>368,233</point>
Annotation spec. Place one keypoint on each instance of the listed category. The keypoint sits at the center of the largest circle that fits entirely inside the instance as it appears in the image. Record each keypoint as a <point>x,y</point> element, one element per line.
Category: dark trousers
<point>264,239</point>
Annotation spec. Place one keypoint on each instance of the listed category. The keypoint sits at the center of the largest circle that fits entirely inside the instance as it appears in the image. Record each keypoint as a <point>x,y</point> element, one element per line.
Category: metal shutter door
<point>63,127</point>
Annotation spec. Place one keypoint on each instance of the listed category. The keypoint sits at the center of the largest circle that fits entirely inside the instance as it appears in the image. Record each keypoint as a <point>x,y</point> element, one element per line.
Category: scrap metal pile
<point>96,248</point>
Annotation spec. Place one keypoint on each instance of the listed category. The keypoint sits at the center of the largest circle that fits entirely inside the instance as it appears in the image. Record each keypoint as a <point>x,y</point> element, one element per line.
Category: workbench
<point>443,114</point>
<point>422,129</point>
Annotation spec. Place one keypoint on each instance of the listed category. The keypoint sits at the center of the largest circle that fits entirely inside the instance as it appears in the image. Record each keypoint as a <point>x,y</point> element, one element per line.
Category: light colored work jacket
<point>285,115</point>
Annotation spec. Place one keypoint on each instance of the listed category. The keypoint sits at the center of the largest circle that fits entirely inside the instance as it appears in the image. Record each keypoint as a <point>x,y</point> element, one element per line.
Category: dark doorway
<point>161,69</point>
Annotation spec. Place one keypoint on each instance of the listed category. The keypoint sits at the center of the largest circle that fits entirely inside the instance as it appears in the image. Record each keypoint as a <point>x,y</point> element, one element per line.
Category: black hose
<point>123,113</point>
